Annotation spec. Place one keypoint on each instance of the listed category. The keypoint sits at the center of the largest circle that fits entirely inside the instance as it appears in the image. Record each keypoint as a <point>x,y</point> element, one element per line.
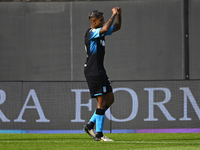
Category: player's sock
<point>93,118</point>
<point>100,117</point>
<point>99,134</point>
<point>90,125</point>
<point>92,121</point>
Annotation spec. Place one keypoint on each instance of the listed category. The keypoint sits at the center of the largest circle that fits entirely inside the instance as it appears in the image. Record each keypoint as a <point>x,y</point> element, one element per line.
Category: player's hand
<point>119,11</point>
<point>115,10</point>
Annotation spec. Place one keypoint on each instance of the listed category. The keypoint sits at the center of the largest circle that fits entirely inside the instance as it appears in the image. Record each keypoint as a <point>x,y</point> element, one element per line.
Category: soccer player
<point>95,73</point>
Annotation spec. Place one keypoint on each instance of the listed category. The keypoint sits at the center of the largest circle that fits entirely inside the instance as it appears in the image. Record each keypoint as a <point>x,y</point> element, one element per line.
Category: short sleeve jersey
<point>95,49</point>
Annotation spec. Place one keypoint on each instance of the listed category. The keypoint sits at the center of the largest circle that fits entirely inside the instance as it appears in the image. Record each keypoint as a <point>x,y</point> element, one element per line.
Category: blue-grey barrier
<point>64,107</point>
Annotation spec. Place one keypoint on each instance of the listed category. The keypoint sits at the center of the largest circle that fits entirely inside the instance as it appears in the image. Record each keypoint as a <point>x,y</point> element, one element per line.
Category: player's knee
<point>113,100</point>
<point>101,105</point>
<point>111,97</point>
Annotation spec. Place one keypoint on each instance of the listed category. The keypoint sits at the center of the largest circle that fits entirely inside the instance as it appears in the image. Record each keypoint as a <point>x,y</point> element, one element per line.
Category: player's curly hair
<point>95,13</point>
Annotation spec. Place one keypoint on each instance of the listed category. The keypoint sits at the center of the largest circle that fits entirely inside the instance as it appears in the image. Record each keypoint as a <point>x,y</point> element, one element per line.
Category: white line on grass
<point>125,142</point>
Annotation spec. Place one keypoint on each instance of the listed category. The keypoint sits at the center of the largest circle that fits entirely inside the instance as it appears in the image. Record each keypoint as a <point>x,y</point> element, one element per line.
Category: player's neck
<point>93,27</point>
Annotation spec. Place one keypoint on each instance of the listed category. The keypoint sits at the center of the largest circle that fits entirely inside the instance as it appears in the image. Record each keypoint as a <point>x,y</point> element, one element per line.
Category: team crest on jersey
<point>93,30</point>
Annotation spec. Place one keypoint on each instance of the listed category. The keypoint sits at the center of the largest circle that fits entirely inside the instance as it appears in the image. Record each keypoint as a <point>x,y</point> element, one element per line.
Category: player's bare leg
<point>109,99</point>
<point>101,102</point>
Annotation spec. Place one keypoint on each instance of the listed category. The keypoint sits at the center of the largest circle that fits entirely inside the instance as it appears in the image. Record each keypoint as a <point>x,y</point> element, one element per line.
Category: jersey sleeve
<point>95,33</point>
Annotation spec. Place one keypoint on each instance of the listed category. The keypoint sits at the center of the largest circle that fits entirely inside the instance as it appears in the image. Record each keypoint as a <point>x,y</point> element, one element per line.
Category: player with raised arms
<point>95,73</point>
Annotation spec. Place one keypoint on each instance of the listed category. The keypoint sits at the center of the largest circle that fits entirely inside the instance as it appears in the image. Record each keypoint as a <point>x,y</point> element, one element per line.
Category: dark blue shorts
<point>98,85</point>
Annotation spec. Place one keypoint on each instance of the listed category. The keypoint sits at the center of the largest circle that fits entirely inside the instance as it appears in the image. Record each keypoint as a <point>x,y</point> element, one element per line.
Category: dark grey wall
<point>194,38</point>
<point>44,41</point>
<point>35,41</point>
<point>149,45</point>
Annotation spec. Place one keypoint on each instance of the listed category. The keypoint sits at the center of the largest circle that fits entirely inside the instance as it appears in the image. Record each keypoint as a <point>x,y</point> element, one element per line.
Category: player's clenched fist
<point>119,11</point>
<point>115,10</point>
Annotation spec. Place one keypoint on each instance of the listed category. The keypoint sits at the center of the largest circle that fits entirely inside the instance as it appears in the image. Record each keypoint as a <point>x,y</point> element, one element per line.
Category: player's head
<point>95,14</point>
<point>96,18</point>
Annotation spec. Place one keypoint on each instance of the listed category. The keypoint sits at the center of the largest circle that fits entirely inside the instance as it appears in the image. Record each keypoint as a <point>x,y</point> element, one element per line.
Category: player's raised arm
<point>117,24</point>
<point>109,23</point>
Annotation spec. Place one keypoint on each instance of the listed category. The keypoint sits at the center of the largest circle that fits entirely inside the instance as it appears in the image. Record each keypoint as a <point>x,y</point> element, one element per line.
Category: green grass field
<point>159,141</point>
